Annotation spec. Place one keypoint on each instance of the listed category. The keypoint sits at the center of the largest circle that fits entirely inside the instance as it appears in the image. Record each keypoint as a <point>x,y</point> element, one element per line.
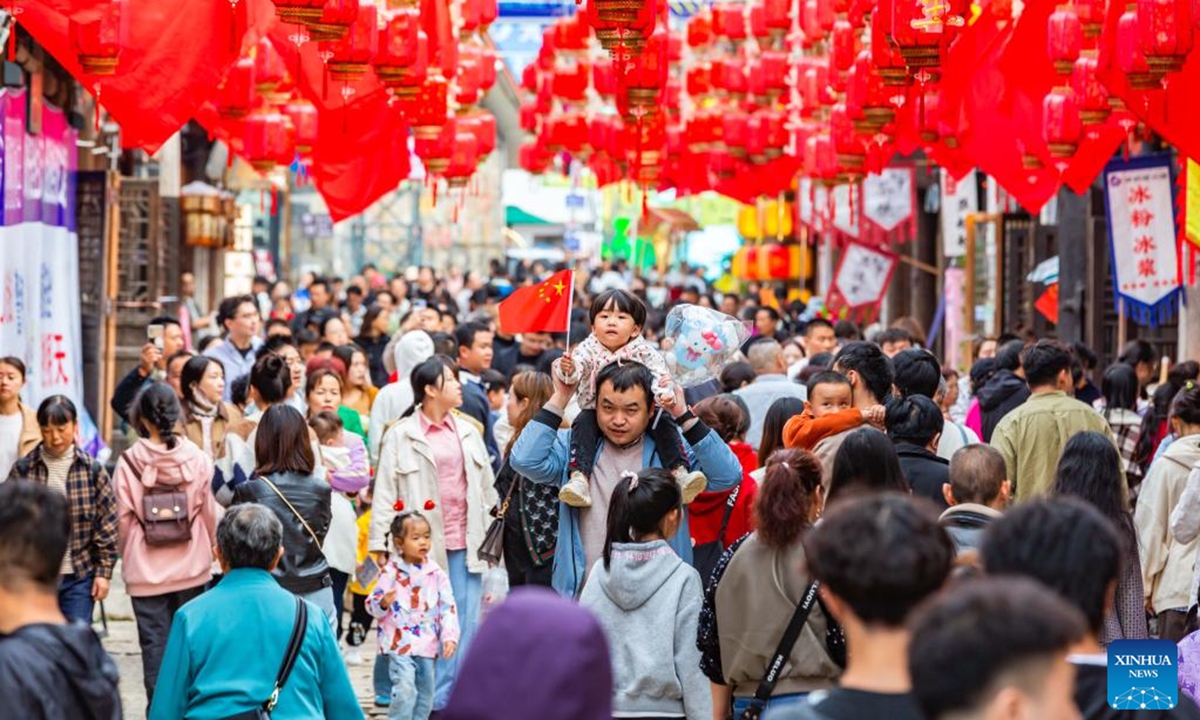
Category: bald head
<point>766,357</point>
<point>977,475</point>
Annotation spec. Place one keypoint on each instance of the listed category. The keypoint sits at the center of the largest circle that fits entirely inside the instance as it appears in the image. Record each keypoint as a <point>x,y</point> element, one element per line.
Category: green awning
<point>514,215</point>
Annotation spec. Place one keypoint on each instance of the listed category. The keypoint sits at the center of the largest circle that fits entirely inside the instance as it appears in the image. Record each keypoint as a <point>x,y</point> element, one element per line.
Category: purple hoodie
<point>537,655</point>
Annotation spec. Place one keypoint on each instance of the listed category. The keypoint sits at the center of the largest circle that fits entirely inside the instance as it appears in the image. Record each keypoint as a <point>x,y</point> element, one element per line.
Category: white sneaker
<point>354,656</point>
<point>691,484</point>
<point>575,492</point>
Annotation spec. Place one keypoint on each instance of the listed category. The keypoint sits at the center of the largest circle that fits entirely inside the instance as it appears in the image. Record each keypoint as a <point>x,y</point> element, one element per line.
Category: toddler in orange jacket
<point>827,412</point>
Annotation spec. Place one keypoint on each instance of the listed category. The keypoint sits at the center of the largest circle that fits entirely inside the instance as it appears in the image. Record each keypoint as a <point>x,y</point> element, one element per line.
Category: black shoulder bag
<point>263,712</point>
<point>786,643</point>
<point>705,557</point>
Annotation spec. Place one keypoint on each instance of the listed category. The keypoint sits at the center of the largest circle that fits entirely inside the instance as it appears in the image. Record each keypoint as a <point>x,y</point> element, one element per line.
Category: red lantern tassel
<point>454,215</point>
<point>435,192</point>
<point>262,201</point>
<point>12,37</point>
<point>645,202</point>
<point>274,201</point>
<point>228,157</point>
<point>96,118</point>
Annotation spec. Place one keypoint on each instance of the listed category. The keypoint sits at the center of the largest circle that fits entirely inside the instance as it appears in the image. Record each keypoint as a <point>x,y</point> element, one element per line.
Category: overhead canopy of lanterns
<point>330,88</point>
<point>747,96</point>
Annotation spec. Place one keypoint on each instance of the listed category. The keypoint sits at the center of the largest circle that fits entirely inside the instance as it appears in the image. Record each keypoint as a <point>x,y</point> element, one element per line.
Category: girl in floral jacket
<point>417,617</point>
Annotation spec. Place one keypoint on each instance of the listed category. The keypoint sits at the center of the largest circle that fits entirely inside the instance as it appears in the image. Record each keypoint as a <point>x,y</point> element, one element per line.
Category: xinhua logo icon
<point>1143,675</point>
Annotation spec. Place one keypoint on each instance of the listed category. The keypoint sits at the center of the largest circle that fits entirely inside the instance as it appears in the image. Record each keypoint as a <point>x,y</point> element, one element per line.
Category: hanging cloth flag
<point>1143,243</point>
<point>545,307</point>
<point>861,280</point>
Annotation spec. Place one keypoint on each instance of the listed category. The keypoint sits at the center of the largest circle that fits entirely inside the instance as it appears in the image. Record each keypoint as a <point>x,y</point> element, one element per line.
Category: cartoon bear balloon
<point>702,342</point>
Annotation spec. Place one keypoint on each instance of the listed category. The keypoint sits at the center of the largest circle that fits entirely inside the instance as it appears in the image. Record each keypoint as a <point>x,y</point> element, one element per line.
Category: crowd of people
<point>836,526</point>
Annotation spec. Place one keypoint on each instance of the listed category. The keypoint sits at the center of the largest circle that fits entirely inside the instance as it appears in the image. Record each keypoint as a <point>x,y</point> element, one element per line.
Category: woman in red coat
<point>728,416</point>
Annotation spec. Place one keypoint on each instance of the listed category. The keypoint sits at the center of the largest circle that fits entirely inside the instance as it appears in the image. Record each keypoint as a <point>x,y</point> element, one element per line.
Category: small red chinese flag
<point>545,307</point>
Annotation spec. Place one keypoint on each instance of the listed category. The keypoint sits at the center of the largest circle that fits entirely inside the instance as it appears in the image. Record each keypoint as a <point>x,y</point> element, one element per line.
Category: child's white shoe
<point>354,656</point>
<point>691,484</point>
<point>575,492</point>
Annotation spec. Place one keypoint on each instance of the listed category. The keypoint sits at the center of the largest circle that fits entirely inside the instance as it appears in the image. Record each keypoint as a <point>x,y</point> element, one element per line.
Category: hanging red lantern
<point>464,158</point>
<point>489,10</point>
<point>699,79</point>
<point>843,45</point>
<point>269,68</point>
<point>758,23</point>
<point>571,35</point>
<point>703,130</point>
<point>236,94</point>
<point>483,126</point>
<point>469,15</point>
<point>266,140</point>
<point>602,134</point>
<point>487,68</point>
<point>351,56</point>
<point>867,97</point>
<point>98,41</point>
<point>298,11</point>
<point>303,117</point>
<point>405,82</point>
<point>922,28</point>
<point>779,16</point>
<point>820,158</point>
<point>1091,93</point>
<point>1166,33</point>
<point>773,64</point>
<point>428,107</point>
<point>398,46</point>
<point>1064,38</point>
<point>529,118</point>
<point>1062,126</point>
<point>533,158</point>
<point>848,144</point>
<point>570,81</point>
<point>336,18</point>
<point>1091,15</point>
<point>729,22</point>
<point>470,77</point>
<point>735,126</point>
<point>435,147</point>
<point>884,53</point>
<point>604,77</point>
<point>643,86</point>
<point>1130,57</point>
<point>729,75</point>
<point>700,30</point>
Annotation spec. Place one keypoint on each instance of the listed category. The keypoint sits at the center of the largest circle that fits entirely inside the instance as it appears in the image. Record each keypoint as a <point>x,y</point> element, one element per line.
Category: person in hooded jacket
<point>538,655</point>
<point>413,349</point>
<point>1004,391</point>
<point>1168,550</point>
<point>648,601</point>
<point>49,668</point>
<point>166,521</point>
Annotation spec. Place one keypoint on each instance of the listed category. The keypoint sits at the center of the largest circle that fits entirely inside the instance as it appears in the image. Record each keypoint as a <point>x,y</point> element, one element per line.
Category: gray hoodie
<point>648,603</point>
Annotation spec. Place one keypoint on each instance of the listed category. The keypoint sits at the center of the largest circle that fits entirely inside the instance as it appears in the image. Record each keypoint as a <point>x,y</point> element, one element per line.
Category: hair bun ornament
<point>398,506</point>
<point>632,477</point>
<point>430,505</point>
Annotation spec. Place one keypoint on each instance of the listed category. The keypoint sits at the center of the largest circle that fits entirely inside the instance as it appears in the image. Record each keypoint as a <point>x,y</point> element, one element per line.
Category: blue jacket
<point>541,454</point>
<point>226,647</point>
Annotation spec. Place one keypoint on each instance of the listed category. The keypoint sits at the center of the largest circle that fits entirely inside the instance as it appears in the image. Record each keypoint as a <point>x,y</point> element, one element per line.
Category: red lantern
<point>820,158</point>
<point>269,68</point>
<point>398,46</point>
<point>1064,38</point>
<point>303,116</point>
<point>779,16</point>
<point>867,97</point>
<point>463,158</point>
<point>406,82</point>
<point>237,91</point>
<point>758,22</point>
<point>470,76</point>
<point>352,54</point>
<point>570,81</point>
<point>729,22</point>
<point>1130,58</point>
<point>700,30</point>
<point>622,26</point>
<point>1091,93</point>
<point>735,126</point>
<point>483,126</point>
<point>1061,123</point>
<point>298,11</point>
<point>773,64</point>
<point>643,87</point>
<point>571,35</point>
<point>98,41</point>
<point>266,140</point>
<point>435,146</point>
<point>884,53</point>
<point>1166,33</point>
<point>602,134</point>
<point>533,158</point>
<point>428,107</point>
<point>336,18</point>
<point>529,118</point>
<point>921,28</point>
<point>699,79</point>
<point>729,75</point>
<point>1091,15</point>
<point>489,10</point>
<point>843,45</point>
<point>848,144</point>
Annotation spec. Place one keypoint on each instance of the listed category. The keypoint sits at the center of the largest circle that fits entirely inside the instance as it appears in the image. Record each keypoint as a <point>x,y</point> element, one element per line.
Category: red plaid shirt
<point>93,509</point>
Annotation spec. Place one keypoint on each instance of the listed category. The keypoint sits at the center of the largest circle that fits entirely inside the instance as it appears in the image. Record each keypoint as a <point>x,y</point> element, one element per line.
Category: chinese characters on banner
<point>1143,243</point>
<point>39,273</point>
<point>889,206</point>
<point>959,198</point>
<point>862,278</point>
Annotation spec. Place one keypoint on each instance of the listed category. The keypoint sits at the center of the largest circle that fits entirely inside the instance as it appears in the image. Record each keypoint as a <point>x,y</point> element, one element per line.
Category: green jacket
<point>1032,437</point>
<point>226,647</point>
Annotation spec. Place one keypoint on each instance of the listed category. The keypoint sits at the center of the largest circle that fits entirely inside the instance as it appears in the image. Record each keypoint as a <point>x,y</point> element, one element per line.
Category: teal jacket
<point>226,647</point>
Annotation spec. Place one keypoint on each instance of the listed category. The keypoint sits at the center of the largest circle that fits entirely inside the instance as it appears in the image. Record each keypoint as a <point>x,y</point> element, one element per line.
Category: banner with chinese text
<point>39,255</point>
<point>959,198</point>
<point>861,280</point>
<point>1143,243</point>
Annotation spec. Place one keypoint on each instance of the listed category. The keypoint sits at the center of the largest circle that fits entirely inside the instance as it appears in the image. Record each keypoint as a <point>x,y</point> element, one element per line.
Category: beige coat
<point>31,432</point>
<point>407,471</point>
<point>1166,561</point>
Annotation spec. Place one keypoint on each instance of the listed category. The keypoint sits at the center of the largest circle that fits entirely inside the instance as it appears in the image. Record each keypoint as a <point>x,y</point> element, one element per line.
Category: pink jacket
<point>163,569</point>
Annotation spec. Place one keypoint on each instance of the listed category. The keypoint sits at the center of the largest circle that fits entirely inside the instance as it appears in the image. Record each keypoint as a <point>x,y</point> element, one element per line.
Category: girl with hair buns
<point>648,603</point>
<point>755,590</point>
<point>166,521</point>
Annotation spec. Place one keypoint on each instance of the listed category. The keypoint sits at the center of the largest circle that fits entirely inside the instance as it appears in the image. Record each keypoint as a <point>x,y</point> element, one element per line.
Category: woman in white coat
<point>434,460</point>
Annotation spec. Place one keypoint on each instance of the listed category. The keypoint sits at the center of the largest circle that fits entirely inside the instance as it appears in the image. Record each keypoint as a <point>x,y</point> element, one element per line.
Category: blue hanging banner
<point>1142,238</point>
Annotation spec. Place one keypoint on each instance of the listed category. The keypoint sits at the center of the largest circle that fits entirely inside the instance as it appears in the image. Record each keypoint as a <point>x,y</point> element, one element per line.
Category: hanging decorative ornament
<point>406,82</point>
<point>463,161</point>
<point>435,148</point>
<point>1062,126</point>
<point>398,45</point>
<point>299,11</point>
<point>428,107</point>
<point>1091,93</point>
<point>336,18</point>
<point>236,94</point>
<point>884,53</point>
<point>351,56</point>
<point>483,126</point>
<point>1130,57</point>
<point>270,71</point>
<point>1064,38</point>
<point>1091,15</point>
<point>303,116</point>
<point>922,28</point>
<point>266,140</point>
<point>1165,33</point>
<point>98,41</point>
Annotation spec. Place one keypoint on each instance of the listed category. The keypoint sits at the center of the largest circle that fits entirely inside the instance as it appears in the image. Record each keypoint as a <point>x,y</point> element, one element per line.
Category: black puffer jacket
<point>303,568</point>
<point>1002,394</point>
<point>49,672</point>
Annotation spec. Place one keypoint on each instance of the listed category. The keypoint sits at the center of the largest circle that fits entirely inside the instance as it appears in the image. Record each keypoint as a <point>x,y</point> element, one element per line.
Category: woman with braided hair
<point>166,521</point>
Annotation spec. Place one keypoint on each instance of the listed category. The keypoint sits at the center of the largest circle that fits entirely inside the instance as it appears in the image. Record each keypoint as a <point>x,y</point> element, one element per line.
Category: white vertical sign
<point>958,199</point>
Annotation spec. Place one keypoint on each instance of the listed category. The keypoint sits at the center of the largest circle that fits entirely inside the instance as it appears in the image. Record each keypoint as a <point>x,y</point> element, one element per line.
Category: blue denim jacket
<point>541,453</point>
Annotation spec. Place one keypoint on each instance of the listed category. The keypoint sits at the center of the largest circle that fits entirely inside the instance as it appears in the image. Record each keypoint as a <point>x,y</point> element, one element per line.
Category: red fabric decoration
<point>545,307</point>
